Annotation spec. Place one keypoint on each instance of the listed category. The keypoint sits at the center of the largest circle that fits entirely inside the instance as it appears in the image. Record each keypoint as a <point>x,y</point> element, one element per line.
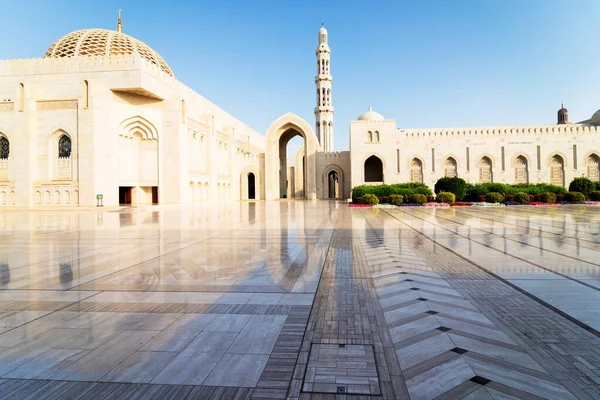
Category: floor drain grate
<point>330,365</point>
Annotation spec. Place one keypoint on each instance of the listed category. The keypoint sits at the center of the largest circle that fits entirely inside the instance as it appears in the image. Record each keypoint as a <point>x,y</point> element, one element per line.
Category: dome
<point>596,117</point>
<point>371,116</point>
<point>104,42</point>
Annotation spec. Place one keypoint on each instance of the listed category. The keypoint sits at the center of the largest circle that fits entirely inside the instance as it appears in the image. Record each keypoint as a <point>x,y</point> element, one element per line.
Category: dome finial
<point>119,25</point>
<point>322,24</point>
<point>370,108</point>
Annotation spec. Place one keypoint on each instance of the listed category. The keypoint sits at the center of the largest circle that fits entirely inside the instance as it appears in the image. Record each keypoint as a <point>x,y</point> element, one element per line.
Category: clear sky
<point>430,63</point>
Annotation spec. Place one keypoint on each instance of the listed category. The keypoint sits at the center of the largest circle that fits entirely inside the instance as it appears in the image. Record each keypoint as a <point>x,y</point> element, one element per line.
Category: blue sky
<point>438,63</point>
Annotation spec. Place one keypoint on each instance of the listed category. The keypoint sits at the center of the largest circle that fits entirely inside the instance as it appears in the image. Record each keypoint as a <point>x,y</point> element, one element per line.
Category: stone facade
<point>103,114</point>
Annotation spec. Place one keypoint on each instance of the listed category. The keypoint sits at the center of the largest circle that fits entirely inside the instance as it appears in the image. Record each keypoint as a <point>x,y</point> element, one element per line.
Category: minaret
<point>323,80</point>
<point>119,24</point>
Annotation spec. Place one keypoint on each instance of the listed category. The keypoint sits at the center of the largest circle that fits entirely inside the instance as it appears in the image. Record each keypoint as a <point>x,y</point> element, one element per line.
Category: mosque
<point>102,117</point>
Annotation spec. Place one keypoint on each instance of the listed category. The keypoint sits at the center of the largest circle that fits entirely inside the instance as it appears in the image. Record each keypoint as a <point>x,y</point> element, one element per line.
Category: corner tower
<point>323,80</point>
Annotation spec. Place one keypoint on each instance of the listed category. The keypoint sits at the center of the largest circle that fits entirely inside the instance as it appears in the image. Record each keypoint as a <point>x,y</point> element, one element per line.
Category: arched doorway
<point>416,171</point>
<point>251,186</point>
<point>333,185</point>
<point>592,164</point>
<point>450,168</point>
<point>521,170</point>
<point>557,171</point>
<point>277,172</point>
<point>485,170</point>
<point>373,169</point>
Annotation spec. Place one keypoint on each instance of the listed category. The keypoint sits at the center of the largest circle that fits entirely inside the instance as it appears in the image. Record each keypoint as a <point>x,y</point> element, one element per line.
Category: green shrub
<point>582,185</point>
<point>445,197</point>
<point>370,199</point>
<point>403,189</point>
<point>395,199</point>
<point>494,197</point>
<point>417,198</point>
<point>522,198</point>
<point>574,197</point>
<point>595,195</point>
<point>455,185</point>
<point>597,184</point>
<point>384,199</point>
<point>546,197</point>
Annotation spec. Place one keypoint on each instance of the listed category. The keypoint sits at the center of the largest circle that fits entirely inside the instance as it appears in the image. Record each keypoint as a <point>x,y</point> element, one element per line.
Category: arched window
<point>416,171</point>
<point>323,95</point>
<point>64,147</point>
<point>86,94</point>
<point>183,111</point>
<point>450,167</point>
<point>328,97</point>
<point>376,136</point>
<point>4,148</point>
<point>521,170</point>
<point>369,136</point>
<point>21,97</point>
<point>593,167</point>
<point>327,66</point>
<point>373,169</point>
<point>557,171</point>
<point>485,170</point>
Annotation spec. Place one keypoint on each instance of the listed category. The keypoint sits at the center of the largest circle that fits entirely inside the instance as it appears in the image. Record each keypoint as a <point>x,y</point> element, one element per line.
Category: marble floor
<point>300,299</point>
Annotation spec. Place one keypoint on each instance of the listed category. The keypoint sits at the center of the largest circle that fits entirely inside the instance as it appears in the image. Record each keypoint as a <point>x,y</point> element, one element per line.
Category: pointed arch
<point>557,170</point>
<point>4,147</point>
<point>279,133</point>
<point>592,167</point>
<point>450,167</point>
<point>416,170</point>
<point>485,170</point>
<point>521,165</point>
<point>373,169</point>
<point>138,126</point>
<point>333,182</point>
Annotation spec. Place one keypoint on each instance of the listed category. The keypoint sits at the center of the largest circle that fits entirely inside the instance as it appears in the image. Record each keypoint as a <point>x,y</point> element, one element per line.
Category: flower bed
<point>484,204</point>
<point>410,205</point>
<point>436,205</point>
<point>461,204</point>
<point>592,203</point>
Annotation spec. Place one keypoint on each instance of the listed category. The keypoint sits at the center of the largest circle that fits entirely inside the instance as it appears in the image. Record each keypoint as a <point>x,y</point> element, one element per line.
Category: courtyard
<point>300,299</point>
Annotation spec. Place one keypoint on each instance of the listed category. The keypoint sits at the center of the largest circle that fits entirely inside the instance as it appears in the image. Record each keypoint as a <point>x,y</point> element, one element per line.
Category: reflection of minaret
<point>323,80</point>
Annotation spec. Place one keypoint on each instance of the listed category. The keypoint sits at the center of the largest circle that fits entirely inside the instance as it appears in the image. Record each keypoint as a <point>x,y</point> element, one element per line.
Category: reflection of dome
<point>371,116</point>
<point>103,42</point>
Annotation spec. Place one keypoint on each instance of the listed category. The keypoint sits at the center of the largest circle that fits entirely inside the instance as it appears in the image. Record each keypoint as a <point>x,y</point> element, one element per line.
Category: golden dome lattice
<point>104,42</point>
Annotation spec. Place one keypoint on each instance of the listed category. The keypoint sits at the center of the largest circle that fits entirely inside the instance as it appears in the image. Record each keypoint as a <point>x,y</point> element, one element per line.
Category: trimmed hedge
<point>546,197</point>
<point>521,197</point>
<point>455,185</point>
<point>481,189</point>
<point>402,189</point>
<point>370,199</point>
<point>493,197</point>
<point>417,198</point>
<point>445,197</point>
<point>582,185</point>
<point>595,195</point>
<point>574,197</point>
<point>395,199</point>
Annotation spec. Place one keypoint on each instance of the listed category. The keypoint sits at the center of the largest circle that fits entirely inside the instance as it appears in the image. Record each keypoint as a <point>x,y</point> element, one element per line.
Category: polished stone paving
<point>300,299</point>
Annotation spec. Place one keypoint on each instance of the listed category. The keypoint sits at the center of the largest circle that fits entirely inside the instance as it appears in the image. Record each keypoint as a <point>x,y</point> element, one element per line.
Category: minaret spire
<point>323,81</point>
<point>119,24</point>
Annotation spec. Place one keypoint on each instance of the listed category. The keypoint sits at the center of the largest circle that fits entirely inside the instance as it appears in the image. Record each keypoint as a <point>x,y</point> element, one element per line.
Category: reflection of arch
<point>373,169</point>
<point>485,170</point>
<point>278,135</point>
<point>329,183</point>
<point>245,184</point>
<point>557,170</point>
<point>592,166</point>
<point>450,167</point>
<point>416,170</point>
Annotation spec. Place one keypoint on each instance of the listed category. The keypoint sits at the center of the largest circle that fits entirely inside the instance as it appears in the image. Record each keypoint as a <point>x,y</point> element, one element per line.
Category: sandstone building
<point>103,115</point>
